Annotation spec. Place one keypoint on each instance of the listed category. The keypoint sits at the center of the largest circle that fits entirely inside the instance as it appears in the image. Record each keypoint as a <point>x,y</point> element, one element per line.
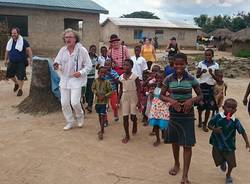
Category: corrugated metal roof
<point>66,5</point>
<point>137,22</point>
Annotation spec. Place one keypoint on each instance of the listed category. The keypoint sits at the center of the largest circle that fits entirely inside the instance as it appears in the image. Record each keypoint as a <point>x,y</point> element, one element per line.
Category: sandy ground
<point>35,150</point>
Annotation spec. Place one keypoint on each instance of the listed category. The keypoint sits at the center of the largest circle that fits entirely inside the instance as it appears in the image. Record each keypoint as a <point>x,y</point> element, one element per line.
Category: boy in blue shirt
<point>224,126</point>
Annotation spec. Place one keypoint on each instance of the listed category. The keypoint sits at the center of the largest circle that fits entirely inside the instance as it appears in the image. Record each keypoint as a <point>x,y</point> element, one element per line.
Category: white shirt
<point>140,65</point>
<point>78,60</point>
<point>101,60</point>
<point>206,77</point>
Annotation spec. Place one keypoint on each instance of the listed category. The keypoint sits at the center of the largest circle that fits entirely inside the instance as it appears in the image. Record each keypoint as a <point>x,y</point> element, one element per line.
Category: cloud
<point>171,9</point>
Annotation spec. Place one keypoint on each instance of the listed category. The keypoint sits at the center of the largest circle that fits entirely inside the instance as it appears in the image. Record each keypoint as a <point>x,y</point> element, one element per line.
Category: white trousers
<point>73,97</point>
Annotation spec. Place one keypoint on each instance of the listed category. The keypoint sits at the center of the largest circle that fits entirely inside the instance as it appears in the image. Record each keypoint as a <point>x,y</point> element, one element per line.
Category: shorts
<point>16,69</point>
<point>101,109</point>
<point>224,156</point>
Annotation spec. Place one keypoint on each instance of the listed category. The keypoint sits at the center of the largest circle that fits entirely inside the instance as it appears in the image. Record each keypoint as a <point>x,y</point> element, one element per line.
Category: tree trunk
<point>41,99</point>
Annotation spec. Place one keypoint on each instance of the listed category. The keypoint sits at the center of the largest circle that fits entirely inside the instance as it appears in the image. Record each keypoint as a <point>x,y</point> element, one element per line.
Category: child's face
<point>208,55</point>
<point>179,65</point>
<point>92,50</point>
<point>219,77</point>
<point>137,51</point>
<point>229,107</point>
<point>108,65</point>
<point>101,73</point>
<point>171,62</point>
<point>127,67</point>
<point>155,69</point>
<point>159,78</point>
<point>104,51</point>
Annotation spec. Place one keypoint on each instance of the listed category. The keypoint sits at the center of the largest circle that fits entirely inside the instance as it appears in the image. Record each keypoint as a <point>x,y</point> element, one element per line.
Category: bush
<point>243,53</point>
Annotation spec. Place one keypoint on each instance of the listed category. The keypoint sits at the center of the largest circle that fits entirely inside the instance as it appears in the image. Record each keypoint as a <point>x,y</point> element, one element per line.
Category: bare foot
<point>100,135</point>
<point>174,171</point>
<point>185,181</point>
<point>156,143</point>
<point>125,140</point>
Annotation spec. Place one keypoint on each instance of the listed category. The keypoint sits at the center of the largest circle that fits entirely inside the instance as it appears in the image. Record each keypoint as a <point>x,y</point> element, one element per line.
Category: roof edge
<point>57,8</point>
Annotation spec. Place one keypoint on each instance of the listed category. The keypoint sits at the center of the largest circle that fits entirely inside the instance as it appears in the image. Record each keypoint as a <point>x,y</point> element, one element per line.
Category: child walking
<point>113,77</point>
<point>102,90</point>
<point>224,126</point>
<point>129,97</point>
<point>159,112</point>
<point>181,130</point>
<point>220,90</point>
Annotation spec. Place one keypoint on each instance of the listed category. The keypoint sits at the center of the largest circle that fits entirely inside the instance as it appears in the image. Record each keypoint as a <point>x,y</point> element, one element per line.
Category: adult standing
<point>148,52</point>
<point>15,58</point>
<point>74,62</point>
<point>205,74</point>
<point>118,53</point>
<point>172,48</point>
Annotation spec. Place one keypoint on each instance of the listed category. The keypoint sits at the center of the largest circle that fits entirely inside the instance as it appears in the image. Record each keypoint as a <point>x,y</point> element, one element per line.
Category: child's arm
<point>225,89</point>
<point>212,125</point>
<point>200,72</point>
<point>108,89</point>
<point>174,103</point>
<point>188,104</point>
<point>244,135</point>
<point>120,92</point>
<point>94,87</point>
<point>138,90</point>
<point>212,74</point>
<point>246,95</point>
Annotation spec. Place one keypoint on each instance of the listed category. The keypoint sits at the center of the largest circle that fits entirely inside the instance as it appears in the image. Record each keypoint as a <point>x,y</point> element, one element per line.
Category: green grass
<point>243,53</point>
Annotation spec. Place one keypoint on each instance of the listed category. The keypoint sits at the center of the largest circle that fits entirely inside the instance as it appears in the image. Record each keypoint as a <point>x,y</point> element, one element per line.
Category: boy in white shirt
<point>140,64</point>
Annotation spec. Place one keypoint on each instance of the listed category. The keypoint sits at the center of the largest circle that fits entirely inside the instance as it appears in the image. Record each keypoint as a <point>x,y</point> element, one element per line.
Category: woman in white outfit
<point>74,62</point>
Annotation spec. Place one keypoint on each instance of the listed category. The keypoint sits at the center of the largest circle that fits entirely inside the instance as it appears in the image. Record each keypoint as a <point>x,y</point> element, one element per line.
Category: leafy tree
<point>141,14</point>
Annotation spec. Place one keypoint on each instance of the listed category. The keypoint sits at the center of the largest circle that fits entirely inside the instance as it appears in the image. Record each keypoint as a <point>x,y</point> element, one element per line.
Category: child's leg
<point>176,153</point>
<point>134,120</point>
<point>157,134</point>
<point>187,155</point>
<point>200,118</point>
<point>126,128</point>
<point>207,114</point>
<point>113,102</point>
<point>101,121</point>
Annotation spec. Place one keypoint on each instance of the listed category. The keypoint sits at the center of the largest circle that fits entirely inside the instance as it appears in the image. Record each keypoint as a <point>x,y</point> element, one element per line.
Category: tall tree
<point>141,14</point>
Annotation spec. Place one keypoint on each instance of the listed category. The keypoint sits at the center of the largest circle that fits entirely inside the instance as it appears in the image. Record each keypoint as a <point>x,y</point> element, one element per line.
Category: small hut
<point>241,42</point>
<point>222,39</point>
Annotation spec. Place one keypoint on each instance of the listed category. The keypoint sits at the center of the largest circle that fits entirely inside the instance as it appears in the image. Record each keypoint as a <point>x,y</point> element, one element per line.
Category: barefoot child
<point>220,90</point>
<point>159,114</point>
<point>113,77</point>
<point>224,126</point>
<point>181,130</point>
<point>129,97</point>
<point>102,90</point>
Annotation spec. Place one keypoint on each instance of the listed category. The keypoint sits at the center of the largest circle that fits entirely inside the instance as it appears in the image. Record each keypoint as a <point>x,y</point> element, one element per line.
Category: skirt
<point>162,123</point>
<point>181,131</point>
<point>208,102</point>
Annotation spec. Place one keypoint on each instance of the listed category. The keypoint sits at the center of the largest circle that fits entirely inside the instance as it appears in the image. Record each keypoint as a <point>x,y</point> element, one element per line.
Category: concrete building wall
<point>45,28</point>
<point>107,30</point>
<point>185,37</point>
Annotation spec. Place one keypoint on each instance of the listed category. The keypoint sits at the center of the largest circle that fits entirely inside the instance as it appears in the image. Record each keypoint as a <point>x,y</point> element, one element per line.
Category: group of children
<point>164,97</point>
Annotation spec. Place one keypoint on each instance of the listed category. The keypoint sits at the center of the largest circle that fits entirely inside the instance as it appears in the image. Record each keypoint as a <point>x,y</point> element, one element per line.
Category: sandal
<point>229,180</point>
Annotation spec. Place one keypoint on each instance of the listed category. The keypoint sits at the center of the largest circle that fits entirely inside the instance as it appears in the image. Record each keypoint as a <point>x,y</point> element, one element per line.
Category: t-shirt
<point>226,140</point>
<point>17,56</point>
<point>169,70</point>
<point>94,61</point>
<point>180,90</point>
<point>206,77</point>
<point>102,87</point>
<point>101,60</point>
<point>113,75</point>
<point>140,65</point>
<point>173,50</point>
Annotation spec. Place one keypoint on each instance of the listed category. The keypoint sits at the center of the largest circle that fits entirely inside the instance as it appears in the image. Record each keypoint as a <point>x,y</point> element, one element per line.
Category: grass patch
<point>243,53</point>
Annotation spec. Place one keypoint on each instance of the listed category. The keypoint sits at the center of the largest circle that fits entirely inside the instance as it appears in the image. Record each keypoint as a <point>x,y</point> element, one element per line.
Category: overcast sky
<point>183,10</point>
